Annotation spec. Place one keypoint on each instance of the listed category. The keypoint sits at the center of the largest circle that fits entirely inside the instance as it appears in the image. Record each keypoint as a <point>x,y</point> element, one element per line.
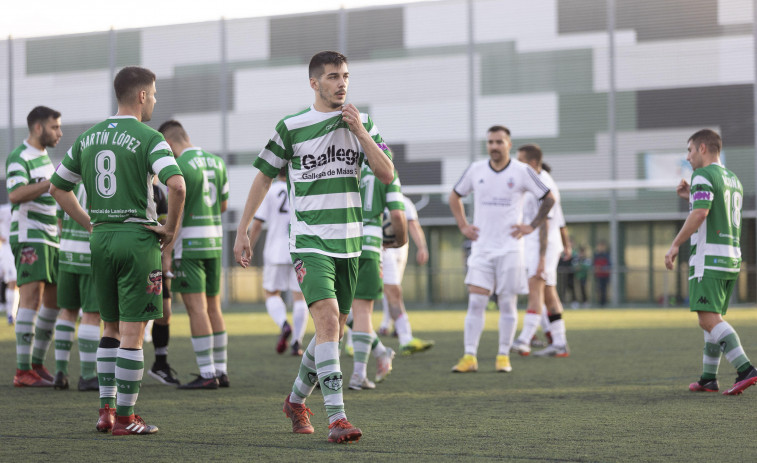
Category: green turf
<point>621,396</point>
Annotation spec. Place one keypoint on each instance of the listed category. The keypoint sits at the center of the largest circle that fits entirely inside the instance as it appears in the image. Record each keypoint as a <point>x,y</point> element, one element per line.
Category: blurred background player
<point>76,291</point>
<point>34,239</point>
<point>496,261</point>
<point>543,249</point>
<point>393,267</point>
<point>158,331</point>
<point>116,160</point>
<point>197,255</point>
<point>278,273</point>
<point>375,196</point>
<point>8,266</point>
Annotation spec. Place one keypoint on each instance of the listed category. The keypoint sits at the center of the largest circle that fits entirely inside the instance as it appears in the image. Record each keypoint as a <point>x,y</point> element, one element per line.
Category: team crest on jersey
<point>299,269</point>
<point>510,183</point>
<point>333,381</point>
<point>155,282</point>
<point>28,255</point>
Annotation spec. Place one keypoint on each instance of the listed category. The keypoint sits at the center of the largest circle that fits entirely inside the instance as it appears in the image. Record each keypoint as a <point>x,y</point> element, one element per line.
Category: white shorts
<point>7,263</point>
<point>280,277</point>
<point>395,260</point>
<point>501,274</point>
<point>551,259</point>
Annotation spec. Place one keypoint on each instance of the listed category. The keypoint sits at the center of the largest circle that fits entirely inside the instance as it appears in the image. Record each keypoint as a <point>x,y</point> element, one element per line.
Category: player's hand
<point>683,189</point>
<point>165,236</point>
<point>351,116</point>
<point>470,232</point>
<point>567,253</point>
<point>242,250</point>
<point>670,257</point>
<point>421,257</point>
<point>520,230</point>
<point>540,267</point>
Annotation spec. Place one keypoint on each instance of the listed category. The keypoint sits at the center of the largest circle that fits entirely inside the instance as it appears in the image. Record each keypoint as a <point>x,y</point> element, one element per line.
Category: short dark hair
<point>710,138</point>
<point>174,130</point>
<point>130,80</point>
<point>319,61</point>
<point>40,114</point>
<point>499,128</point>
<point>546,167</point>
<point>533,152</point>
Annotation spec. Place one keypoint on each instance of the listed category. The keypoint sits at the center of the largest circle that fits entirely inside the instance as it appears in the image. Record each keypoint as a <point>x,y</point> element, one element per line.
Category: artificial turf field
<point>621,396</point>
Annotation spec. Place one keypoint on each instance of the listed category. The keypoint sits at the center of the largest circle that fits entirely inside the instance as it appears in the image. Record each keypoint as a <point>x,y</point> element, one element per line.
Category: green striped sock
<point>730,344</point>
<point>130,365</point>
<point>106,373</point>
<point>203,348</point>
<point>89,339</point>
<point>43,334</point>
<point>220,352</point>
<point>64,341</point>
<point>24,337</point>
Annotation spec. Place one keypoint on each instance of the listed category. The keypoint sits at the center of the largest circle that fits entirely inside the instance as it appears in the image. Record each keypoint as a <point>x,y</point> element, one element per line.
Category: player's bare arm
<point>522,229</point>
<point>255,230</point>
<point>419,238</point>
<point>458,211</point>
<point>69,203</point>
<point>399,224</point>
<point>177,191</point>
<point>29,192</point>
<point>567,247</point>
<point>692,224</point>
<point>258,190</point>
<point>381,165</point>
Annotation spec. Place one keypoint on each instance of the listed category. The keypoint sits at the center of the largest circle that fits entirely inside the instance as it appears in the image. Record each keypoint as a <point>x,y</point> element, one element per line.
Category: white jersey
<point>555,218</point>
<point>498,202</point>
<point>274,211</point>
<point>5,222</point>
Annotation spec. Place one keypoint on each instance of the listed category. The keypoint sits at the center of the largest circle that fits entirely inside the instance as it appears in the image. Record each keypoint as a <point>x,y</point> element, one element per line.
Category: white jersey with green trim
<point>201,233</point>
<point>376,197</point>
<point>323,158</point>
<point>116,160</point>
<point>716,245</point>
<point>75,255</point>
<point>274,212</point>
<point>32,221</point>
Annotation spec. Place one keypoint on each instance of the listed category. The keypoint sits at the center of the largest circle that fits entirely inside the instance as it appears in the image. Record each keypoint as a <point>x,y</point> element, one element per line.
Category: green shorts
<point>75,291</point>
<point>325,277</point>
<point>197,276</point>
<point>710,294</point>
<point>370,281</point>
<point>127,274</point>
<point>35,262</point>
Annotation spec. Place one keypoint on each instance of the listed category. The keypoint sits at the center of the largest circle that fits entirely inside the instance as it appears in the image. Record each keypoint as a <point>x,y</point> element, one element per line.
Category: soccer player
<point>76,291</point>
<point>34,239</point>
<point>116,160</point>
<point>197,255</point>
<point>323,148</point>
<point>714,225</point>
<point>394,261</point>
<point>376,196</point>
<point>278,273</point>
<point>543,251</point>
<point>496,261</point>
<point>8,265</point>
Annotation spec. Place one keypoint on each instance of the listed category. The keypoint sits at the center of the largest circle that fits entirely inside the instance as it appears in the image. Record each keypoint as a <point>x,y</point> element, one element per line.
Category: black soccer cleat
<point>201,383</point>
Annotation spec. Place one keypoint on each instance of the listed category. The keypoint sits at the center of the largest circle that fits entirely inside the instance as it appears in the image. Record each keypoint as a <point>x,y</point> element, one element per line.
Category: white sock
<point>474,322</point>
<point>299,320</point>
<point>530,324</point>
<point>385,317</point>
<point>544,319</point>
<point>557,328</point>
<point>508,321</point>
<point>404,330</point>
<point>11,301</point>
<point>277,310</point>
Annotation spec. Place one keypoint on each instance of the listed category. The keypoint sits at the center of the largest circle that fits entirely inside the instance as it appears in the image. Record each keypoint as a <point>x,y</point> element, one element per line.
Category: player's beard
<point>47,139</point>
<point>329,100</point>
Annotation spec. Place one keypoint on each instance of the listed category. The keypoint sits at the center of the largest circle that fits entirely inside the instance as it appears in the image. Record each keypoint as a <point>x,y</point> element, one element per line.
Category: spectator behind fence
<point>602,267</point>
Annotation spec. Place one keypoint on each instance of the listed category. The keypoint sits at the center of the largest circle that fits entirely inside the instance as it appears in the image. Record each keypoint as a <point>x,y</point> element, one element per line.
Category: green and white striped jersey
<point>715,247</point>
<point>75,256</point>
<point>33,221</point>
<point>376,197</point>
<point>323,159</point>
<point>201,234</point>
<point>116,160</point>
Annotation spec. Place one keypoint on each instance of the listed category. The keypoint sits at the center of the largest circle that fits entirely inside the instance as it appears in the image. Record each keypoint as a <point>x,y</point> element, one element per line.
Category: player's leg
<point>533,315</point>
<point>69,300</point>
<point>559,345</point>
<point>11,301</point>
<point>389,270</point>
<point>480,282</point>
<point>711,304</point>
<point>161,370</point>
<point>89,334</point>
<point>275,280</point>
<point>510,280</point>
<point>299,313</point>
<point>217,323</point>
<point>369,287</point>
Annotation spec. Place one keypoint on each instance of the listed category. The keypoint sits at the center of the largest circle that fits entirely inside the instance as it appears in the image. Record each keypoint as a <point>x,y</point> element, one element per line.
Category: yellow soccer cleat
<point>467,364</point>
<point>416,345</point>
<point>503,364</point>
